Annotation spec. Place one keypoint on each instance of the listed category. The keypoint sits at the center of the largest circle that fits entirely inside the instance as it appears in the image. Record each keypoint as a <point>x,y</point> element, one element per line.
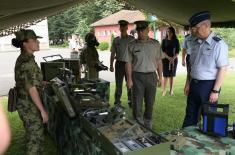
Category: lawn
<point>168,113</point>
<point>231,53</point>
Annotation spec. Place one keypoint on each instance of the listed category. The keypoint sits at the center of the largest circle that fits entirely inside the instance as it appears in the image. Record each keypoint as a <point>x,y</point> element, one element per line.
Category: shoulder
<point>216,38</point>
<point>116,38</point>
<point>28,66</point>
<point>131,37</point>
<point>219,41</point>
<point>153,40</point>
<point>187,35</point>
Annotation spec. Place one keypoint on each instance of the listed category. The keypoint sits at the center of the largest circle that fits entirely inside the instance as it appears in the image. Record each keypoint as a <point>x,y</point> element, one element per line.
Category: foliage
<point>231,53</point>
<point>62,25</point>
<point>103,46</point>
<point>168,112</point>
<point>181,39</point>
<point>228,34</point>
<point>79,18</point>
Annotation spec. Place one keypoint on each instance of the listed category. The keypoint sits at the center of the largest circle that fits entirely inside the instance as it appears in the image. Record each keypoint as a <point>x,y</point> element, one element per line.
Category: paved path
<point>7,62</point>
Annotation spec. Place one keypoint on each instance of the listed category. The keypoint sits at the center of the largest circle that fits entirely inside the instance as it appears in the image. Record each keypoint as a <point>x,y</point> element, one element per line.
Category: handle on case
<point>51,56</point>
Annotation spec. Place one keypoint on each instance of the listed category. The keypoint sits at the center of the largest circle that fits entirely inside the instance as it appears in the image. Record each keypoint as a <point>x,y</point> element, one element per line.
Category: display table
<point>190,141</point>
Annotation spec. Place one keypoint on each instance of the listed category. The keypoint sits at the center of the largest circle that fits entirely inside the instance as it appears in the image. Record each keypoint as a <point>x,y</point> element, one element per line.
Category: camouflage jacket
<point>27,75</point>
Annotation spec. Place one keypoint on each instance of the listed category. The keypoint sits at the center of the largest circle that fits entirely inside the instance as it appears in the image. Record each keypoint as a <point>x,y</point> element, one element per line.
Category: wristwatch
<point>215,91</point>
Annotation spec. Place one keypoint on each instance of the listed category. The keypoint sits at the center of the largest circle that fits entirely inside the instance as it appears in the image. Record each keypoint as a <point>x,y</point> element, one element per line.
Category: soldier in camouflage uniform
<point>29,84</point>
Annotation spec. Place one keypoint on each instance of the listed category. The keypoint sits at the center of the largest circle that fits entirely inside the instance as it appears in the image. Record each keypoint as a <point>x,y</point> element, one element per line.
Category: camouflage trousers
<point>33,125</point>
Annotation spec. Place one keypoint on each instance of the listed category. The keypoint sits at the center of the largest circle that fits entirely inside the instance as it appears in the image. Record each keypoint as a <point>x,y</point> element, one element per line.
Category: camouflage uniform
<point>28,75</point>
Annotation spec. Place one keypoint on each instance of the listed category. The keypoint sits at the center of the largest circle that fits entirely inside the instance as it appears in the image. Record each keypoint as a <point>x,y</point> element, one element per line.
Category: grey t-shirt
<point>119,46</point>
<point>144,55</point>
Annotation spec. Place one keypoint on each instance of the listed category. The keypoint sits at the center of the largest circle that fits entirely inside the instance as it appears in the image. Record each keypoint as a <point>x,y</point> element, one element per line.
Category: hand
<point>159,82</point>
<point>213,97</point>
<point>44,83</point>
<point>129,84</point>
<point>44,116</point>
<point>111,69</point>
<point>183,63</point>
<point>186,89</point>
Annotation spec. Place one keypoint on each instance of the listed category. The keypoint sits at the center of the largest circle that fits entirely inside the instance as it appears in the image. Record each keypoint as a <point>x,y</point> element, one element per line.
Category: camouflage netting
<point>13,29</point>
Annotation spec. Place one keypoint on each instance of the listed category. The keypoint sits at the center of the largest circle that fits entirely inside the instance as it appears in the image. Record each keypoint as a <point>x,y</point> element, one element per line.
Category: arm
<point>159,72</point>
<point>183,56</point>
<point>112,56</point>
<point>37,101</point>
<point>128,68</point>
<point>4,132</point>
<point>218,84</point>
<point>186,87</point>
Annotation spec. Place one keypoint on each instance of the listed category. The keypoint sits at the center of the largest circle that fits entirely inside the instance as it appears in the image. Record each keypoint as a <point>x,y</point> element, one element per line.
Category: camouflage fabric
<point>27,75</point>
<point>190,141</point>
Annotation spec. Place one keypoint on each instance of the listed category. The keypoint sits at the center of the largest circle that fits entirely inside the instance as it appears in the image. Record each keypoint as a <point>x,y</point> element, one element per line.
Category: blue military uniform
<point>207,56</point>
<point>187,44</point>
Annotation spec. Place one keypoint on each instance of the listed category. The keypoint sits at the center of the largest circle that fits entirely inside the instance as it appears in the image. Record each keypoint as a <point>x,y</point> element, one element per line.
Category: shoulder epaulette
<point>153,40</point>
<point>216,38</point>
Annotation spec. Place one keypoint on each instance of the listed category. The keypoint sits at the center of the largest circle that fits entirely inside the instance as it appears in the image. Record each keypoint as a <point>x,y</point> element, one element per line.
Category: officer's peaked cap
<point>141,24</point>
<point>123,22</point>
<point>199,17</point>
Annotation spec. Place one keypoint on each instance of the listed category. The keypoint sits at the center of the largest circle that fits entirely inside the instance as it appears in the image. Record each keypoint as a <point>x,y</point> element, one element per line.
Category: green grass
<point>168,114</point>
<point>231,53</point>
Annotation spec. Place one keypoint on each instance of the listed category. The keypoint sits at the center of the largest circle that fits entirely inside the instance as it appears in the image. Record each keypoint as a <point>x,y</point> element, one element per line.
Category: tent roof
<point>15,12</point>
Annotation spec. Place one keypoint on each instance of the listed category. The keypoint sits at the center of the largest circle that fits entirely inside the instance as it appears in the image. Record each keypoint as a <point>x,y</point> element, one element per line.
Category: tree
<point>62,25</point>
<point>228,34</point>
<point>79,18</point>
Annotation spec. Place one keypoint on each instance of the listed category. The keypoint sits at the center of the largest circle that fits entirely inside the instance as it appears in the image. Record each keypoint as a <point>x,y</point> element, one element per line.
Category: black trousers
<point>144,88</point>
<point>199,93</point>
<point>119,76</point>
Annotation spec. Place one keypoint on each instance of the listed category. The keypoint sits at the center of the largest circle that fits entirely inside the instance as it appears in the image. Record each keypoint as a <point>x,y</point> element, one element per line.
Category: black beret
<point>199,17</point>
<point>123,22</point>
<point>141,24</point>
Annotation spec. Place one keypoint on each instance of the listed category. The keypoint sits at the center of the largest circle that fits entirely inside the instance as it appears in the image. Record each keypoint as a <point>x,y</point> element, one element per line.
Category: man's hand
<point>186,89</point>
<point>129,84</point>
<point>159,82</point>
<point>44,83</point>
<point>183,63</point>
<point>111,68</point>
<point>213,97</point>
<point>44,116</point>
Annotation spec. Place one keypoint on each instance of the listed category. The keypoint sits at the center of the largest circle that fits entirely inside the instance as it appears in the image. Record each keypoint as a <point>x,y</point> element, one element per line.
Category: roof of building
<point>129,15</point>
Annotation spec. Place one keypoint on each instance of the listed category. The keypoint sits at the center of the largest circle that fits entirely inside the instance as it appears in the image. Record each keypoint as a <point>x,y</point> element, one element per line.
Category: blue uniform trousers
<point>199,93</point>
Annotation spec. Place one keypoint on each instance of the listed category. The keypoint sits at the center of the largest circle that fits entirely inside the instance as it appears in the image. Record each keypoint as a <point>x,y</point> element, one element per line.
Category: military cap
<point>199,17</point>
<point>24,34</point>
<point>123,22</point>
<point>141,24</point>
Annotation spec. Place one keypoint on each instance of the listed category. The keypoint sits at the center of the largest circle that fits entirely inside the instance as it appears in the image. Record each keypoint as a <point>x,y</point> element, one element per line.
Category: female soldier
<point>28,79</point>
<point>171,48</point>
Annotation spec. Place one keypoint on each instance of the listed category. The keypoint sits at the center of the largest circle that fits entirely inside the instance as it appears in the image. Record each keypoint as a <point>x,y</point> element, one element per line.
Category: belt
<point>144,72</point>
<point>201,81</point>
